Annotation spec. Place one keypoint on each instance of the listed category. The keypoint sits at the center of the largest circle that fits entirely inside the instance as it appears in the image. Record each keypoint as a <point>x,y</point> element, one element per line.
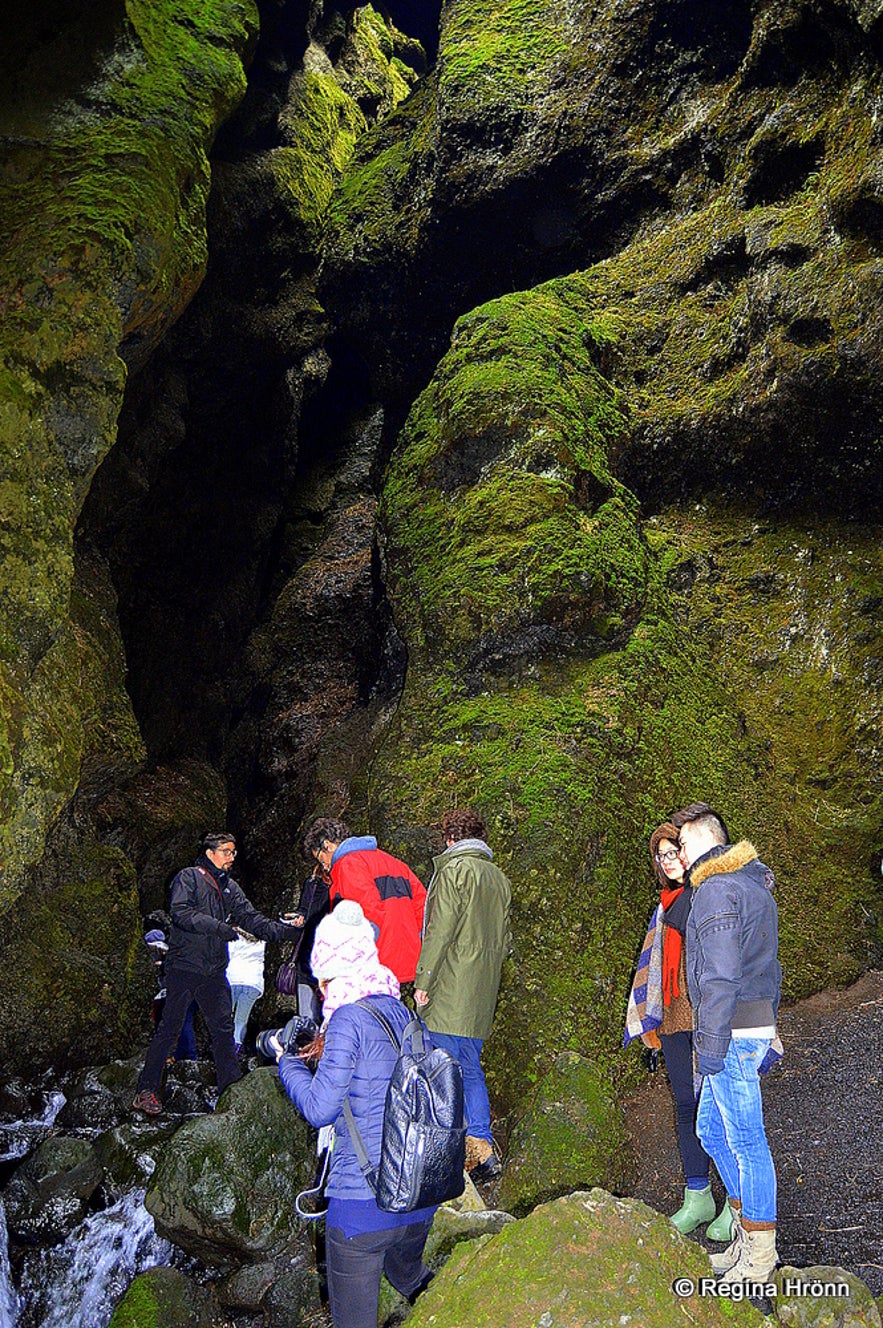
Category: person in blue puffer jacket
<point>357,1060</point>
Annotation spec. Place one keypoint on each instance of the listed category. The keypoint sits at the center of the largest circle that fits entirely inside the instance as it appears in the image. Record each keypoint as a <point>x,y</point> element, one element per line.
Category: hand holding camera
<point>275,1042</point>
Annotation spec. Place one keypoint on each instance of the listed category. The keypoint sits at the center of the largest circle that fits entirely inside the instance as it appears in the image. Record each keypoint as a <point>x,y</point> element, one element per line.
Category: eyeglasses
<point>670,855</point>
<point>226,852</point>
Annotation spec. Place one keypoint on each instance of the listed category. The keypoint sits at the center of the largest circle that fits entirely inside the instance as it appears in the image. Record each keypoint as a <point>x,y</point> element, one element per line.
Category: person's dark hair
<point>215,838</point>
<point>699,813</point>
<point>668,830</point>
<point>324,828</point>
<point>464,823</point>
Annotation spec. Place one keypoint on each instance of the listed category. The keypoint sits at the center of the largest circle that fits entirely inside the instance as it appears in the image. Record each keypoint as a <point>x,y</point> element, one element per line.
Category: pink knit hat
<point>344,956</point>
<point>344,940</point>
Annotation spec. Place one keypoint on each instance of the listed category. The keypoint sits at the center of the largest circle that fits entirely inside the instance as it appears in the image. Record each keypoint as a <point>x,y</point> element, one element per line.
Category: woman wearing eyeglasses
<point>660,1014</point>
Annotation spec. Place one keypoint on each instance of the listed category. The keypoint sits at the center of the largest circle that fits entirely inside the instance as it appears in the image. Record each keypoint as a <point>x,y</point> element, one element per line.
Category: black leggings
<point>677,1048</point>
<point>354,1267</point>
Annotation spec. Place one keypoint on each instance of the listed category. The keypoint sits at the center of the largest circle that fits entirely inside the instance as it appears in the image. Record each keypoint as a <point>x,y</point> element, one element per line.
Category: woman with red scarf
<point>675,1034</point>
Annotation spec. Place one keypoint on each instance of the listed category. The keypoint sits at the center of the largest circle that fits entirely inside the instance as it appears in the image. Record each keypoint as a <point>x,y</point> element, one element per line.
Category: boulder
<point>587,1258</point>
<point>167,1298</point>
<point>225,1184</point>
<point>823,1297</point>
<point>572,1135</point>
<point>48,1195</point>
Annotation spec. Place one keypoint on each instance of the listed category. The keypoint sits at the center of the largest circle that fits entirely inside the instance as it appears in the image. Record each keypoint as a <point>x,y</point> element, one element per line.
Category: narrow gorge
<point>404,406</point>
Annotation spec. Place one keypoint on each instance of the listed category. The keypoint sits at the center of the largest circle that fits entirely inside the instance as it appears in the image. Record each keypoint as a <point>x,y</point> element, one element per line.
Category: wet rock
<point>167,1297</point>
<point>571,1134</point>
<point>48,1195</point>
<point>225,1184</point>
<point>586,1258</point>
<point>247,1287</point>
<point>90,1104</point>
<point>823,1297</point>
<point>294,1295</point>
<point>128,1153</point>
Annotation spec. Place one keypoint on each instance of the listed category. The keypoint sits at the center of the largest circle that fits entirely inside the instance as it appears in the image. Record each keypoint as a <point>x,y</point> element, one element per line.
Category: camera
<point>298,1032</point>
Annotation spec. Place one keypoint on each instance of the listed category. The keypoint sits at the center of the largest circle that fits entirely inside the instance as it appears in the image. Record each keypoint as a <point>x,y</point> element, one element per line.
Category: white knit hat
<point>344,940</point>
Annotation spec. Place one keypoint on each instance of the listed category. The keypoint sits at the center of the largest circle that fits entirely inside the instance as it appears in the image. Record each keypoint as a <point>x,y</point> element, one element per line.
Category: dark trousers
<point>354,1268</point>
<point>212,995</point>
<point>677,1048</point>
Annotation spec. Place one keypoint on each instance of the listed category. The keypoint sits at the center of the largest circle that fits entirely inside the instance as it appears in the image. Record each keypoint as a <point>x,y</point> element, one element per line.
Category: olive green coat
<point>465,940</point>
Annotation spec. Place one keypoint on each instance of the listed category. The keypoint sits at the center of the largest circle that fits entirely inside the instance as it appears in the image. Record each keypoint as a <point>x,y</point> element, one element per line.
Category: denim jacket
<point>733,968</point>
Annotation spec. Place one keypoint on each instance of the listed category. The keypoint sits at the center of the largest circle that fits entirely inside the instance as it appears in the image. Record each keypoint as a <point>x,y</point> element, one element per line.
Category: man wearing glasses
<point>390,895</point>
<point>208,909</point>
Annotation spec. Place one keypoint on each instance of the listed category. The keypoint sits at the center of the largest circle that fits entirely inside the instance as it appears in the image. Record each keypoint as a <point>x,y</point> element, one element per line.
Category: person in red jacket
<point>391,896</point>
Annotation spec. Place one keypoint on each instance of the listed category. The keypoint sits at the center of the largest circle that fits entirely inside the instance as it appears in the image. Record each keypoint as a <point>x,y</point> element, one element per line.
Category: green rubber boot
<point>698,1207</point>
<point>723,1227</point>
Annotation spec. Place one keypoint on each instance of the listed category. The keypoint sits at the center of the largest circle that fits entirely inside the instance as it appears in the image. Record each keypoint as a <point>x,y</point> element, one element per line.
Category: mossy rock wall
<point>576,674</point>
<point>103,218</point>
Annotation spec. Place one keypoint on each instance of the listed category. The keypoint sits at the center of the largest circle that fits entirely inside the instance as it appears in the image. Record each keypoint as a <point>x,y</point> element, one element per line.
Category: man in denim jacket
<point>735,980</point>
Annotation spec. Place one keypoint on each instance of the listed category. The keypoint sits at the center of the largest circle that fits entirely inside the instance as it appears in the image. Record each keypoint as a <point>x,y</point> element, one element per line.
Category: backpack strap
<point>365,1165</point>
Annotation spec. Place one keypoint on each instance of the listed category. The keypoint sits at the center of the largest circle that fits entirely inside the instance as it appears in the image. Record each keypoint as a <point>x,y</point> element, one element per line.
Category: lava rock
<point>48,1195</point>
<point>225,1184</point>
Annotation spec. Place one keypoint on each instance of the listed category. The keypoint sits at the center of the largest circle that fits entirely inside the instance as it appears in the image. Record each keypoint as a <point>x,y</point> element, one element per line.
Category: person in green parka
<point>465,940</point>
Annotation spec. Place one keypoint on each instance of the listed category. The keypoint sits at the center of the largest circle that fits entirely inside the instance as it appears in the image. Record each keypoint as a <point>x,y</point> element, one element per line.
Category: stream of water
<point>78,1283</point>
<point>8,1298</point>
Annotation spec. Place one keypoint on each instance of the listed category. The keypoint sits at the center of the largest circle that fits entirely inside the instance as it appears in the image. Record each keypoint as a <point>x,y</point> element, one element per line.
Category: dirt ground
<point>823,1107</point>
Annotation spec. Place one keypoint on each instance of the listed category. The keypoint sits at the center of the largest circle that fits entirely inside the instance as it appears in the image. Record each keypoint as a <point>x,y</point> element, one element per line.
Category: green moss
<point>138,1308</point>
<point>376,205</point>
<point>584,1259</point>
<point>559,681</point>
<point>499,54</point>
<point>502,482</point>
<point>571,1136</point>
<point>102,205</point>
<point>321,124</point>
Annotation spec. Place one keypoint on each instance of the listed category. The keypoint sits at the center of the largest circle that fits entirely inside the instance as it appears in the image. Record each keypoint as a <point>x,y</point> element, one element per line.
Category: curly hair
<point>464,823</point>
<point>324,829</point>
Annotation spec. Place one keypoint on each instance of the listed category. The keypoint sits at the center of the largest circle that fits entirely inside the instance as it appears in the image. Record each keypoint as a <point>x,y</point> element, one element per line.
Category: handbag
<point>286,974</point>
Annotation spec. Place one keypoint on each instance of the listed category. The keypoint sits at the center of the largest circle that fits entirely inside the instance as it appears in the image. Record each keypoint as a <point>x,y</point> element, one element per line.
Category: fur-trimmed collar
<point>733,857</point>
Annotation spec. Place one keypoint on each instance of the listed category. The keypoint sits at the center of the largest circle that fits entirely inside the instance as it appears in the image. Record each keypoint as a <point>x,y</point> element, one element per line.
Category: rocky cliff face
<point>520,448</point>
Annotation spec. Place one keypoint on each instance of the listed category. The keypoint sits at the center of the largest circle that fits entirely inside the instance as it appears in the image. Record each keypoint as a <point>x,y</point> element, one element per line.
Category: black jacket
<point>203,905</point>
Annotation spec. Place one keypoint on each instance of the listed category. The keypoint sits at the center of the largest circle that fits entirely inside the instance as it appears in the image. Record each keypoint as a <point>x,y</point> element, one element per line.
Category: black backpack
<point>423,1148</point>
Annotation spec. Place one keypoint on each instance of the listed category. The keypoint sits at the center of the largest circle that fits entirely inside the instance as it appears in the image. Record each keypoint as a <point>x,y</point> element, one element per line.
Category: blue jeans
<point>243,1000</point>
<point>476,1102</point>
<point>729,1123</point>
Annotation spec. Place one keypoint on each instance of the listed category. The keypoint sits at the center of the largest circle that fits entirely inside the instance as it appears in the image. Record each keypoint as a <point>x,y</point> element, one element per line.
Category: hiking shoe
<point>147,1101</point>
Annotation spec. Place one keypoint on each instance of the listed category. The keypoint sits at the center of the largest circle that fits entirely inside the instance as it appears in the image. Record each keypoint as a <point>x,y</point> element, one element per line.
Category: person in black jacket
<point>312,907</point>
<point>208,909</point>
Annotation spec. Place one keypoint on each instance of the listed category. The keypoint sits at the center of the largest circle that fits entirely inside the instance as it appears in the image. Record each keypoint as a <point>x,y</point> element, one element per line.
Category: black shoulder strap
<point>369,1171</point>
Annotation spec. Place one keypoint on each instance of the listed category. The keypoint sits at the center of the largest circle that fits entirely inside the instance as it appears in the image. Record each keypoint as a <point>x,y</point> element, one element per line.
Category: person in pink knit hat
<point>354,1061</point>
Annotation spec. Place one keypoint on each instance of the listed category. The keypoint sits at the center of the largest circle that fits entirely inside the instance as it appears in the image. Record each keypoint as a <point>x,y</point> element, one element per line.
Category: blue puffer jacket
<point>358,1059</point>
<point>733,969</point>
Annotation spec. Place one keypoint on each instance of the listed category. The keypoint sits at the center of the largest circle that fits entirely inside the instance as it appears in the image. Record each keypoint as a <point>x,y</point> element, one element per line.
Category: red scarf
<point>672,947</point>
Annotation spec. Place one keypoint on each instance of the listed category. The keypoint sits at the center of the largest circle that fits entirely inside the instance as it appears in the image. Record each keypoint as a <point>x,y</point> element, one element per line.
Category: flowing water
<point>17,1138</point>
<point>8,1298</point>
<point>77,1284</point>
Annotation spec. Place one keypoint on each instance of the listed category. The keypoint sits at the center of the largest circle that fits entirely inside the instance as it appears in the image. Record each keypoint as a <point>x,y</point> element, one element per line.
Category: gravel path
<point>823,1107</point>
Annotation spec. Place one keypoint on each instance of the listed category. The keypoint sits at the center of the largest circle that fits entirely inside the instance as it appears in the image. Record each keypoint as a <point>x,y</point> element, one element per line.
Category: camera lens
<point>262,1043</point>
